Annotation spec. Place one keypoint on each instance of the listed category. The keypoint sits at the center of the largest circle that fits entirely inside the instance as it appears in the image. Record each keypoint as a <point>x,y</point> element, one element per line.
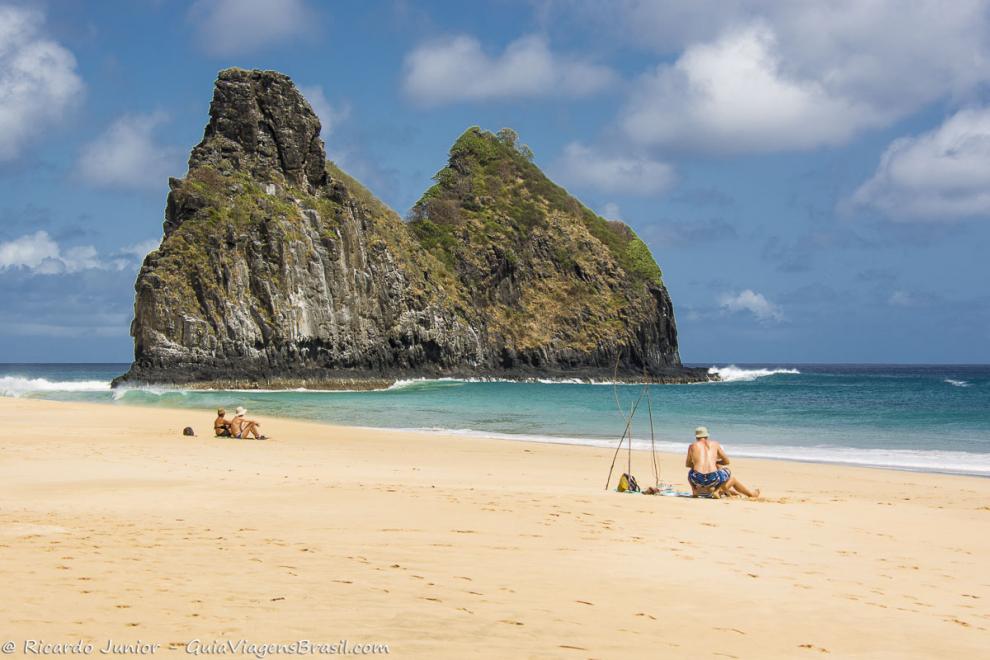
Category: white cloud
<point>236,27</point>
<point>822,72</point>
<point>140,250</point>
<point>875,50</point>
<point>331,115</point>
<point>636,175</point>
<point>752,302</point>
<point>735,94</point>
<point>611,211</point>
<point>38,253</point>
<point>940,175</point>
<point>38,80</point>
<point>126,155</point>
<point>902,299</point>
<point>29,251</point>
<point>457,69</point>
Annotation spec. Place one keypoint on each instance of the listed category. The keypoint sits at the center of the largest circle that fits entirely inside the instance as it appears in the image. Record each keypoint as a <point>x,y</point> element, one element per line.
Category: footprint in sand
<point>812,647</point>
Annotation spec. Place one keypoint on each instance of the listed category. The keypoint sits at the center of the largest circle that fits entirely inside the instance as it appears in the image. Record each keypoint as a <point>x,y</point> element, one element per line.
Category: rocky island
<point>279,270</point>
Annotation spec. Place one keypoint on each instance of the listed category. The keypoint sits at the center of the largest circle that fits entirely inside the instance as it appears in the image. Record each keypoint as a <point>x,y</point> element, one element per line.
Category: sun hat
<point>240,410</point>
<point>700,432</point>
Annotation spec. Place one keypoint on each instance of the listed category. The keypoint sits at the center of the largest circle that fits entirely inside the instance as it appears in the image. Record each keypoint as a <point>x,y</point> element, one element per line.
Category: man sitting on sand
<point>708,473</point>
<point>221,426</point>
<point>244,428</point>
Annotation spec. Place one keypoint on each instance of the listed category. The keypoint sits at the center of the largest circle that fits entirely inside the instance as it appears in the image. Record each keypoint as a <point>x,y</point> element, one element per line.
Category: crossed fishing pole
<point>627,433</point>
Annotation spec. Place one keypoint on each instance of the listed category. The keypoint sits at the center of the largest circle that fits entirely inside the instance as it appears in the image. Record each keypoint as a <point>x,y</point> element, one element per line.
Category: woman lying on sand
<point>708,473</point>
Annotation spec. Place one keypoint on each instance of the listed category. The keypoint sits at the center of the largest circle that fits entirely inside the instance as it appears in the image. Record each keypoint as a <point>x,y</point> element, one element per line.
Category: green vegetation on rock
<point>510,232</point>
<point>490,179</point>
<point>279,267</point>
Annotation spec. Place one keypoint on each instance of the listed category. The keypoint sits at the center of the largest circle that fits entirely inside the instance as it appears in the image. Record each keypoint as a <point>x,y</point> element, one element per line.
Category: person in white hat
<point>244,428</point>
<point>708,471</point>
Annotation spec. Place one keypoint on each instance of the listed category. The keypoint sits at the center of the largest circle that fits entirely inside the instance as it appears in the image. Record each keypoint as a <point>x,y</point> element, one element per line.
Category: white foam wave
<point>956,383</point>
<point>153,390</point>
<point>953,462</point>
<point>404,383</point>
<point>732,373</point>
<point>20,385</point>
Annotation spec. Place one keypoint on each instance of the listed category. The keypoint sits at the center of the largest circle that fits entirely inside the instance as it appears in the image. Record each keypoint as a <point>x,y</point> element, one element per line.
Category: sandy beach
<point>115,526</point>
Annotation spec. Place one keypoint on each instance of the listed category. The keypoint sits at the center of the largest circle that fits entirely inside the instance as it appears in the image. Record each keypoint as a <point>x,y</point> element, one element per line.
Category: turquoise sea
<point>930,418</point>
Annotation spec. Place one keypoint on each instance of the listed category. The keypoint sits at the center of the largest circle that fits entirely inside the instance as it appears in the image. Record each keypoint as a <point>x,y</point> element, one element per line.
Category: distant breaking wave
<point>956,383</point>
<point>732,373</point>
<point>449,382</point>
<point>20,385</point>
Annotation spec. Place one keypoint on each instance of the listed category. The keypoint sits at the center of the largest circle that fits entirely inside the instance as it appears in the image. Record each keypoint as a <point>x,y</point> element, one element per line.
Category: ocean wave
<point>15,386</point>
<point>732,373</point>
<point>147,391</point>
<point>957,383</point>
<point>406,383</point>
<point>449,382</point>
<point>953,462</point>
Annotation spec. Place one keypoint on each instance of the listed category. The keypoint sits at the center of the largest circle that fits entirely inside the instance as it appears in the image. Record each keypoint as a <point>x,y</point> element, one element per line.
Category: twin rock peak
<point>278,269</point>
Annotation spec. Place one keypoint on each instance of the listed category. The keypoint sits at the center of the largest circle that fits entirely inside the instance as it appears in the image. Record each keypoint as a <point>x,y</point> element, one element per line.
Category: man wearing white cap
<point>707,471</point>
<point>244,428</point>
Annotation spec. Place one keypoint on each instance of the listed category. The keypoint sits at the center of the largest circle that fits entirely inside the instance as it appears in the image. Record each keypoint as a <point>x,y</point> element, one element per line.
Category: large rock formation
<point>277,269</point>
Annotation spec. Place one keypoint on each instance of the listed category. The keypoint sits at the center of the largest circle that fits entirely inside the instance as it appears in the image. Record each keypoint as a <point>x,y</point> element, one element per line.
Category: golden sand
<point>115,526</point>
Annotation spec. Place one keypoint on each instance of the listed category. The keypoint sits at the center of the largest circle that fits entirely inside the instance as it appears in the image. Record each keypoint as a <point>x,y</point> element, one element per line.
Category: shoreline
<point>746,451</point>
<point>590,444</point>
<point>667,450</point>
<point>114,525</point>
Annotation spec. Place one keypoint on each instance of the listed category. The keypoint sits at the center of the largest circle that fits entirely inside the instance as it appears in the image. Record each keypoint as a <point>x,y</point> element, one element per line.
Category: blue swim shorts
<point>709,479</point>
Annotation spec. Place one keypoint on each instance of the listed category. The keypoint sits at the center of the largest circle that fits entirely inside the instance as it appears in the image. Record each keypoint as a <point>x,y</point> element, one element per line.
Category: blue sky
<point>814,179</point>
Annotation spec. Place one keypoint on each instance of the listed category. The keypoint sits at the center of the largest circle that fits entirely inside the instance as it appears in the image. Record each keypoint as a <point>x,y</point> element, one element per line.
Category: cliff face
<point>553,285</point>
<point>278,269</point>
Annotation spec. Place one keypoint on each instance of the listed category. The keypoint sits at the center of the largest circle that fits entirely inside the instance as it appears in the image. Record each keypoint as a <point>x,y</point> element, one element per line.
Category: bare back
<point>705,456</point>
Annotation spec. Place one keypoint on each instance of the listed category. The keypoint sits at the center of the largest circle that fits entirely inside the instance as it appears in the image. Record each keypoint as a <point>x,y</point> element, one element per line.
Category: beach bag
<point>627,484</point>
